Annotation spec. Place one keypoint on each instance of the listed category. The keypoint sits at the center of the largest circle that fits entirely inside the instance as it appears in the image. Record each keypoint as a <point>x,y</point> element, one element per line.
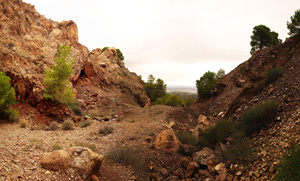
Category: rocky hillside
<point>242,88</point>
<point>29,43</point>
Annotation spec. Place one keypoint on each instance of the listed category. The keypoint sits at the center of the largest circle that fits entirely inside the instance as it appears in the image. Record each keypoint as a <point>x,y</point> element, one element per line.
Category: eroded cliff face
<point>29,43</point>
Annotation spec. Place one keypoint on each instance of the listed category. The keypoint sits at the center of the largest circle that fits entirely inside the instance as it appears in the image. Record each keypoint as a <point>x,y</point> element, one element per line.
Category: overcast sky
<point>176,40</point>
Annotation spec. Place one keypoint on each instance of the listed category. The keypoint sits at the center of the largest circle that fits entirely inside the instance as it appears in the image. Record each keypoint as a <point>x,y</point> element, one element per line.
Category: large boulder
<point>75,160</point>
<point>167,141</point>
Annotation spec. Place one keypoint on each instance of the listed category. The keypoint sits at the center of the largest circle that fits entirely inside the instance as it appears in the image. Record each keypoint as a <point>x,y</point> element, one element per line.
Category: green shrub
<point>68,125</point>
<point>120,54</point>
<point>123,155</point>
<point>87,145</point>
<point>103,49</point>
<point>7,99</point>
<point>105,130</point>
<point>217,133</point>
<point>187,137</point>
<point>272,74</point>
<point>56,147</point>
<point>129,156</point>
<point>23,124</point>
<point>288,169</point>
<point>85,123</point>
<point>53,126</point>
<point>257,116</point>
<point>174,100</point>
<point>75,108</point>
<point>190,100</point>
<point>239,151</point>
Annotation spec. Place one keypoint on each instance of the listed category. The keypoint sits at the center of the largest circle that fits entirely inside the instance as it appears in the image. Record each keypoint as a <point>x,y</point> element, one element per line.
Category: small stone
<point>272,168</point>
<point>132,178</point>
<point>238,173</point>
<point>250,173</point>
<point>47,172</point>
<point>95,178</point>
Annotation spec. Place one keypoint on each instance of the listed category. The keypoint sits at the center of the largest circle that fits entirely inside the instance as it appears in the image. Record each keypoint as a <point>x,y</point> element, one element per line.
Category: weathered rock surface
<point>75,160</point>
<point>167,141</point>
<point>204,156</point>
<point>29,42</point>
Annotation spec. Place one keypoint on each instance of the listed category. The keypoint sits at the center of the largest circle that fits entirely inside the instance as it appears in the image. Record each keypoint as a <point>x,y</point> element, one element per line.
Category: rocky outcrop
<point>29,43</point>
<point>167,141</point>
<point>75,160</point>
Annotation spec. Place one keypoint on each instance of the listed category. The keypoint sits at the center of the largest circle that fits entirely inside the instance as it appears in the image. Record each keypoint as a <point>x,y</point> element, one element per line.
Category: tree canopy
<point>263,37</point>
<point>57,77</point>
<point>294,25</point>
<point>155,89</point>
<point>220,73</point>
<point>206,83</point>
<point>7,99</point>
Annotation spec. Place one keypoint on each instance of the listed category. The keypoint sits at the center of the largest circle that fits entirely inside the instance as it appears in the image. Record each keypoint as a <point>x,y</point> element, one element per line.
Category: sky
<point>175,40</point>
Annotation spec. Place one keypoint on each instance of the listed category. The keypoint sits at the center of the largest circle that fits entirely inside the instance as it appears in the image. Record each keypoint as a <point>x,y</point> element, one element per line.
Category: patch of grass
<point>87,145</point>
<point>76,109</point>
<point>124,155</point>
<point>273,74</point>
<point>288,169</point>
<point>23,124</point>
<point>56,147</point>
<point>217,133</point>
<point>105,130</point>
<point>36,143</point>
<point>85,123</point>
<point>129,156</point>
<point>68,125</point>
<point>187,137</point>
<point>257,116</point>
<point>239,151</point>
<point>53,126</point>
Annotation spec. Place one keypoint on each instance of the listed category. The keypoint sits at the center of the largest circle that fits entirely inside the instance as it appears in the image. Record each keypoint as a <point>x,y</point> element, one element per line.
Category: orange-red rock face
<point>28,44</point>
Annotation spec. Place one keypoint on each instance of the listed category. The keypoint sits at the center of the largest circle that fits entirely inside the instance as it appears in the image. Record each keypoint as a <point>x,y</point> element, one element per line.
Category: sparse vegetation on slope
<point>68,125</point>
<point>288,169</point>
<point>259,115</point>
<point>273,74</point>
<point>217,133</point>
<point>187,137</point>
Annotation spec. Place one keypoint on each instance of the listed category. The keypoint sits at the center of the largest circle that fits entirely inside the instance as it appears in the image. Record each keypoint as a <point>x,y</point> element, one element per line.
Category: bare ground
<point>21,148</point>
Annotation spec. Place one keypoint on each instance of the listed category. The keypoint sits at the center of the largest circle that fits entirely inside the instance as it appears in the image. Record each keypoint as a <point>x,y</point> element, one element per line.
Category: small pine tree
<point>7,98</point>
<point>263,37</point>
<point>155,89</point>
<point>57,77</point>
<point>294,25</point>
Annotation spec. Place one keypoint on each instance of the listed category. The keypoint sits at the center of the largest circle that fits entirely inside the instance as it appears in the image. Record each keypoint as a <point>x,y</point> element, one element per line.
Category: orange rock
<point>167,141</point>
